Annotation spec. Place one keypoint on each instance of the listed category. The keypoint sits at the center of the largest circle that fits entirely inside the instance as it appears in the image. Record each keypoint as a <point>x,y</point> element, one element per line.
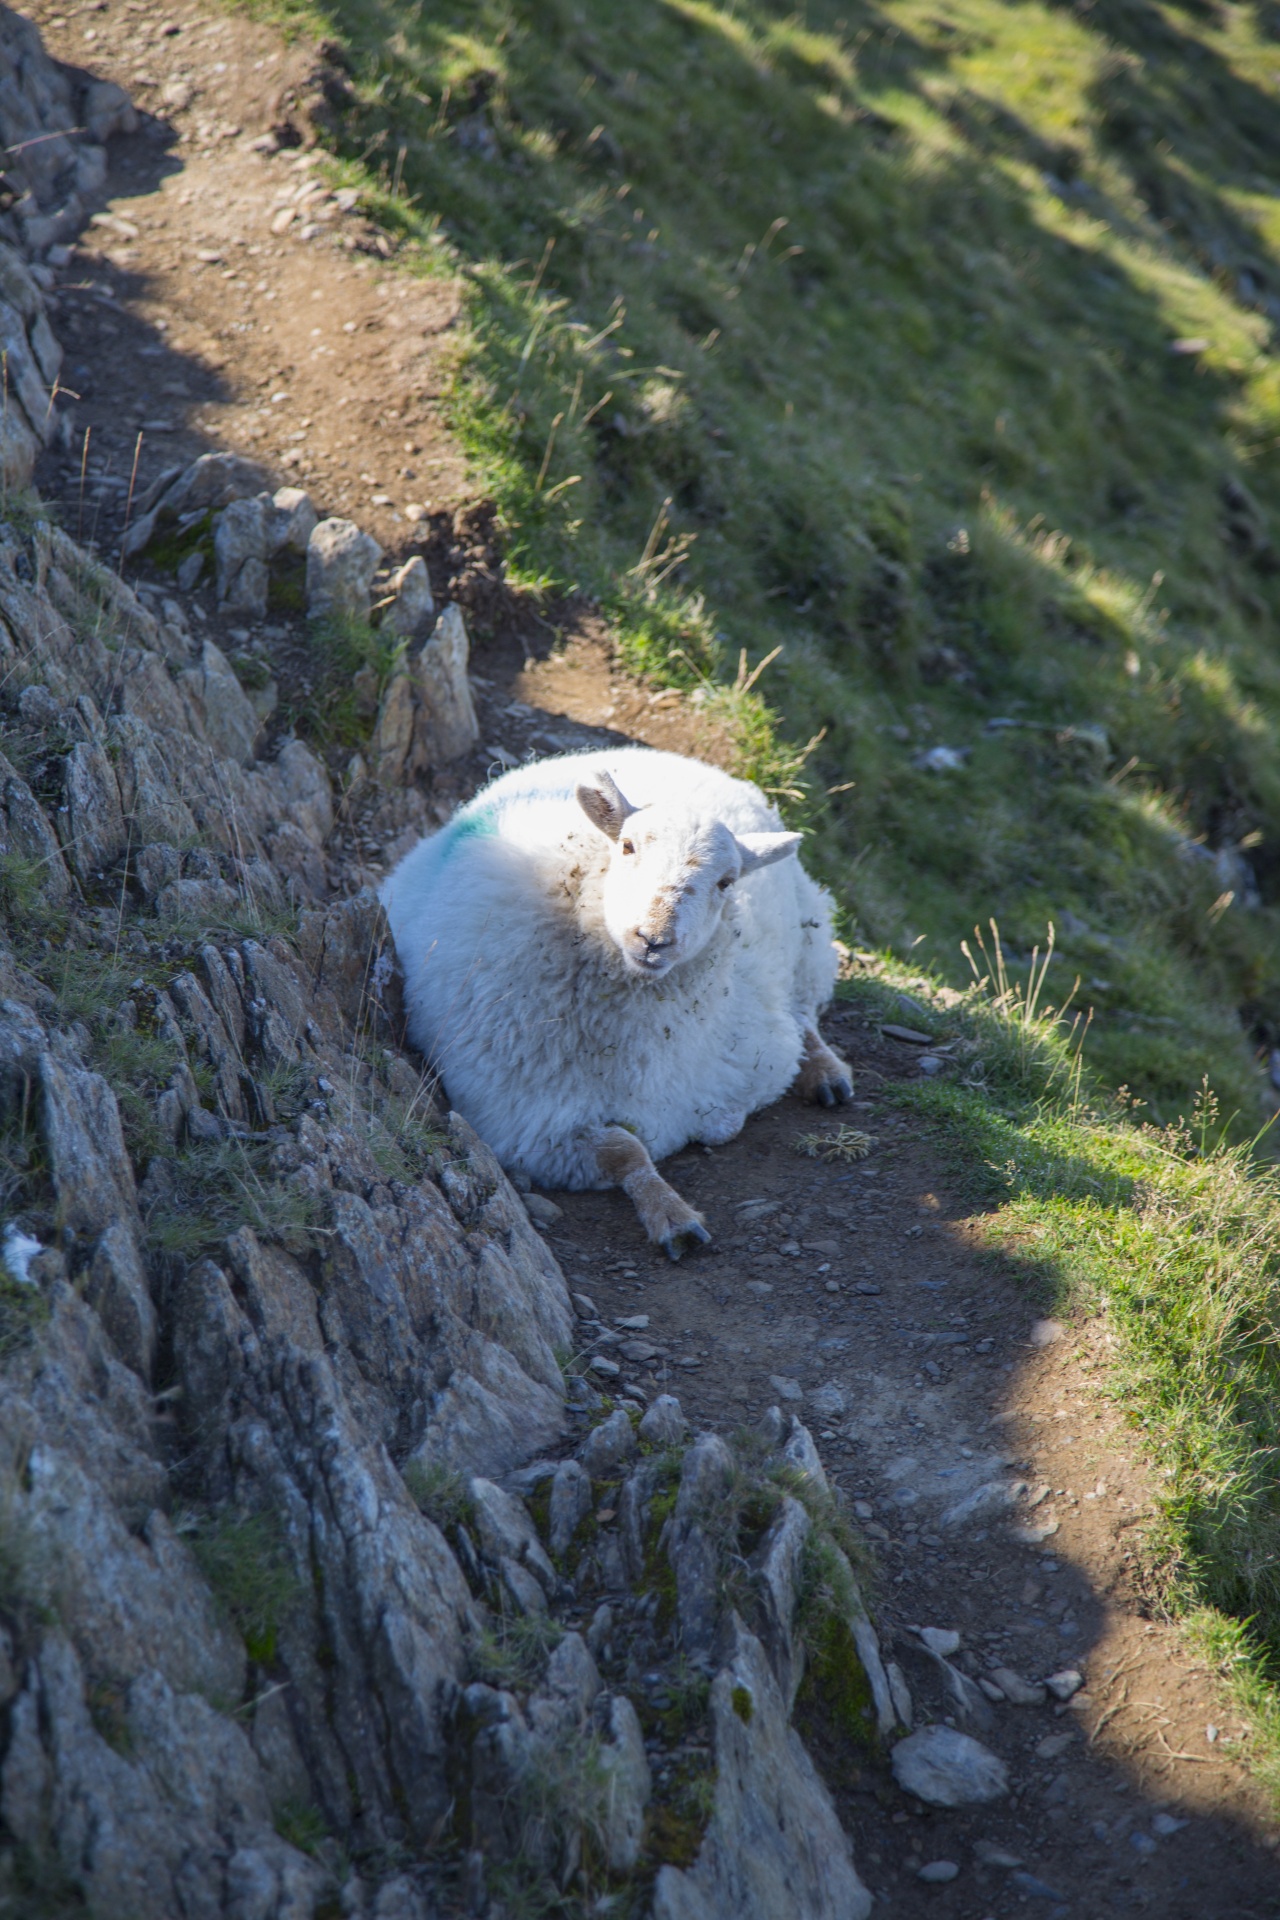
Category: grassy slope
<point>930,436</point>
<point>890,296</point>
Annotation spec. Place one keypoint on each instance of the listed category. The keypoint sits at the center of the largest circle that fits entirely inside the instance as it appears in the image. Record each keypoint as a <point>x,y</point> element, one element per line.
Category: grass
<point>244,1558</point>
<point>850,330</point>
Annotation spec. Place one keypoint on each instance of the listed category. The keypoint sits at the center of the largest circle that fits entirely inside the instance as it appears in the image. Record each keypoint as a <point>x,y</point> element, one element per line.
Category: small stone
<point>940,1640</point>
<point>190,570</point>
<point>864,1510</point>
<point>1017,1691</point>
<point>1056,1744</point>
<point>909,1034</point>
<point>938,1872</point>
<point>929,1064</point>
<point>786,1389</point>
<point>1046,1333</point>
<point>991,1690</point>
<point>1166,1826</point>
<point>759,1288</point>
<point>1065,1684</point>
<point>1143,1844</point>
<point>830,1401</point>
<point>991,1855</point>
<point>664,1425</point>
<point>607,1369</point>
<point>543,1212</point>
<point>946,1768</point>
<point>586,1306</point>
<point>633,1322</point>
<point>1036,1889</point>
<point>415,512</point>
<point>1035,1536</point>
<point>570,1503</point>
<point>866,1286</point>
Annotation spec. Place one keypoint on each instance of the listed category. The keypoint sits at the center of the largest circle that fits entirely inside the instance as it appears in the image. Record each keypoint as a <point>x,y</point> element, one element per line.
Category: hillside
<point>944,336</point>
<point>356,1554</point>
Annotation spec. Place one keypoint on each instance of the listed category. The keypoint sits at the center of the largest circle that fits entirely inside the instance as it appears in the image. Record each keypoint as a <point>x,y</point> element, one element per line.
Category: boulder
<point>945,1768</point>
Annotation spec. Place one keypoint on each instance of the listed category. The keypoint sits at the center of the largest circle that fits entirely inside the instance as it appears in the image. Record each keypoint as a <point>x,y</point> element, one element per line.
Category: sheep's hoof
<point>693,1231</point>
<point>835,1093</point>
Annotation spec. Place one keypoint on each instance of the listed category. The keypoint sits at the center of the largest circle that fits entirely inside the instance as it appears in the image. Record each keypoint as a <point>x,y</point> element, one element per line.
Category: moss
<point>835,1709</point>
<point>169,548</point>
<point>743,1704</point>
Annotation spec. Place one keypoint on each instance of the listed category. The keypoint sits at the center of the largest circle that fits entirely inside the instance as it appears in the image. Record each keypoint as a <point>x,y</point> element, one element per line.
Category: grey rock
<point>570,1504</point>
<point>993,1496</point>
<point>341,563</point>
<point>507,1533</point>
<point>938,1873</point>
<point>776,1571</point>
<point>608,1446</point>
<point>445,724</point>
<point>900,1693</point>
<point>413,605</point>
<point>940,1640</point>
<point>945,1768</point>
<point>219,705</point>
<point>774,1849</point>
<point>240,549</point>
<point>292,520</point>
<point>543,1212</point>
<point>829,1401</point>
<point>664,1425</point>
<point>90,821</point>
<point>567,1690</point>
<point>626,1769</point>
<point>786,1389</point>
<point>1017,1691</point>
<point>393,730</point>
<point>1065,1685</point>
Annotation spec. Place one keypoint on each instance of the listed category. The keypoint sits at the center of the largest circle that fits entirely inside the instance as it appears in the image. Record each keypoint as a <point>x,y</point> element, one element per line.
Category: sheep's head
<point>671,872</point>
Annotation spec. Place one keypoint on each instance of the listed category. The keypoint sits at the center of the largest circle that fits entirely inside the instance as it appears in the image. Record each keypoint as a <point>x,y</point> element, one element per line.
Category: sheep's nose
<point>655,946</point>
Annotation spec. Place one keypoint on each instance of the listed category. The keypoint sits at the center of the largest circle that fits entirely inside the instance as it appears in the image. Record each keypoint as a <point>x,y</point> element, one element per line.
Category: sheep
<point>609,955</point>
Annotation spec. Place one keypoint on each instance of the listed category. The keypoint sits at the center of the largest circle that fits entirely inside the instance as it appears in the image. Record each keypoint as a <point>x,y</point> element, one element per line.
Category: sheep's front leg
<point>668,1220</point>
<point>823,1077</point>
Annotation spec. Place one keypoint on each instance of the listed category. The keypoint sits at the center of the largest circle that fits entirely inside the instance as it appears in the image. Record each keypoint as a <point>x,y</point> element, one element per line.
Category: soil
<point>195,319</point>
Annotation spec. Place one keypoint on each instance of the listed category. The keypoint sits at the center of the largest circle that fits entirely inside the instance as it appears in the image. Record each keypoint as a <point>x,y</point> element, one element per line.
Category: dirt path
<point>224,300</point>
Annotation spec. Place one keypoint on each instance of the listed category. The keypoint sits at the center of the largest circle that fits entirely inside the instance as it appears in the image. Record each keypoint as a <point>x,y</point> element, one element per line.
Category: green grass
<point>881,301</point>
<point>244,1558</point>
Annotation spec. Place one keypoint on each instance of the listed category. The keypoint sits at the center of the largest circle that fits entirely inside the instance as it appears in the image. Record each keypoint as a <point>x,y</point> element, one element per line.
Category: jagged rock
<point>208,485</point>
<point>292,520</point>
<point>508,1535</point>
<point>26,833</point>
<point>945,1768</point>
<point>626,1768</point>
<point>775,1849</point>
<point>567,1690</point>
<point>776,1569</point>
<point>393,730</point>
<point>445,726</point>
<point>90,820</point>
<point>664,1425</point>
<point>413,604</point>
<point>240,548</point>
<point>608,1446</point>
<point>705,1479</point>
<point>570,1503</point>
<point>225,717</point>
<point>341,563</point>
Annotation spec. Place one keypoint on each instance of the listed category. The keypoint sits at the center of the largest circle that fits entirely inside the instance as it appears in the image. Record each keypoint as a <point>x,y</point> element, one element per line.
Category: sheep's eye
<point>726,883</point>
<point>628,846</point>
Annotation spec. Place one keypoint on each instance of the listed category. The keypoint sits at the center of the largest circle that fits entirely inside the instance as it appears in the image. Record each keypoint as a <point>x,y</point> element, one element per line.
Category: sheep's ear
<point>605,805</point>
<point>762,849</point>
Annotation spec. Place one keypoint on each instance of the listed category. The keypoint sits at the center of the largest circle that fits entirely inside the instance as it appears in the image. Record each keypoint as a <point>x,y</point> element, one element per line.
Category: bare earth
<point>195,314</point>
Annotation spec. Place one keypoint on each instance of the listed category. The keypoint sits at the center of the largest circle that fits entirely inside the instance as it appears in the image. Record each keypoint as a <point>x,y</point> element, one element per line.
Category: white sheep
<point>609,955</point>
